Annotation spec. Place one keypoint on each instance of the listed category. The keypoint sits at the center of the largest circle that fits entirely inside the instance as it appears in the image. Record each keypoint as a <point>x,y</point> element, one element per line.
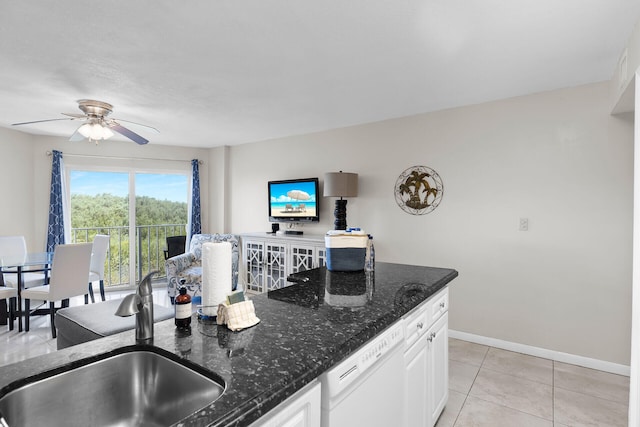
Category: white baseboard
<point>557,356</point>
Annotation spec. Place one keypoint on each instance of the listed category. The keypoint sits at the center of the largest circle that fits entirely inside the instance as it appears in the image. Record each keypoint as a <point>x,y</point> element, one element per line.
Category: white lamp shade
<point>85,130</point>
<point>106,133</point>
<point>340,184</point>
<point>95,131</point>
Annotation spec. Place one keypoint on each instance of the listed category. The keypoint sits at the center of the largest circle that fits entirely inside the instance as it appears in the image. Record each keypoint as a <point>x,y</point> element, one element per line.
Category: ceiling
<point>208,73</point>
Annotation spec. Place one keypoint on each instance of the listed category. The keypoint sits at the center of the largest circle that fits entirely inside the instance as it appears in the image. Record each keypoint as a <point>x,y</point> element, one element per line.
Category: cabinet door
<point>275,265</point>
<point>305,412</point>
<point>416,410</point>
<point>301,410</point>
<point>302,258</point>
<point>253,254</point>
<point>321,256</point>
<point>438,367</point>
<point>439,305</point>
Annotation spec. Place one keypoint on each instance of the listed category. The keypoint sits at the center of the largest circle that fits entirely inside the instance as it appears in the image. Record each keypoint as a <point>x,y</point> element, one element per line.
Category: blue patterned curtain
<point>195,225</point>
<point>55,229</point>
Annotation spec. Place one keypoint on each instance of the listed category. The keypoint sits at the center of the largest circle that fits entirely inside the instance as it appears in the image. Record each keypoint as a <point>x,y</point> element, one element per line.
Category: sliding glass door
<point>138,210</point>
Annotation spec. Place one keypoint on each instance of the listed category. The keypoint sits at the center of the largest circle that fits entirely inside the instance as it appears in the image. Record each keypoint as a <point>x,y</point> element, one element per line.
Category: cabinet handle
<point>442,304</point>
<point>431,336</point>
<point>420,325</point>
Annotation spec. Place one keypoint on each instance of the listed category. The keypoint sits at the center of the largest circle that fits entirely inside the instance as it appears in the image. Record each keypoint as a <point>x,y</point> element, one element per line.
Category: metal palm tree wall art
<point>418,190</point>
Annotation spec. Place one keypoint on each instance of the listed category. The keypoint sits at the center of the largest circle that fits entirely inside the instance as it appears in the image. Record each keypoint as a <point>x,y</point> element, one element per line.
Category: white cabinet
<point>300,410</point>
<point>438,367</point>
<point>416,410</point>
<point>269,259</point>
<point>426,361</point>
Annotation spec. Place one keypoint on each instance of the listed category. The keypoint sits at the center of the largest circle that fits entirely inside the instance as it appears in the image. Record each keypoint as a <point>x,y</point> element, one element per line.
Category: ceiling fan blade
<point>39,121</point>
<point>75,116</point>
<point>126,132</point>
<point>77,136</point>
<point>138,124</point>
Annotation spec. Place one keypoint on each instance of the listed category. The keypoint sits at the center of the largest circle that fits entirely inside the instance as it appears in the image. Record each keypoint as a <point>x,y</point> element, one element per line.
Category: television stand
<point>270,259</point>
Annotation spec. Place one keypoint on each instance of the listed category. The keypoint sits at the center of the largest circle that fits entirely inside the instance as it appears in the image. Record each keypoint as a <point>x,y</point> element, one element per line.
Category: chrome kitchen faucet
<point>140,304</point>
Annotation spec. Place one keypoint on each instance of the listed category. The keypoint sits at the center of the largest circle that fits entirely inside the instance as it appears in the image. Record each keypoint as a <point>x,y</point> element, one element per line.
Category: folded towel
<point>237,316</point>
<point>346,240</point>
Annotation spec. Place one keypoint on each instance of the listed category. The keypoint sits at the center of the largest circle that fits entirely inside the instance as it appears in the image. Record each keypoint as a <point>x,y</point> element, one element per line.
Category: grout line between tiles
<point>513,409</point>
<point>583,393</point>
<point>464,402</point>
<point>591,395</point>
<point>518,377</point>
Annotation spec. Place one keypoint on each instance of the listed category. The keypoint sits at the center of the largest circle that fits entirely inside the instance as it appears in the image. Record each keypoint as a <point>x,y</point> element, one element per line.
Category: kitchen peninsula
<point>305,330</point>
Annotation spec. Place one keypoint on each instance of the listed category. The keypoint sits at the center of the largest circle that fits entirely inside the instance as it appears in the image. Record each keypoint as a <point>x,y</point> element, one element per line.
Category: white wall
<point>634,383</point>
<point>217,208</point>
<point>557,158</point>
<point>17,182</point>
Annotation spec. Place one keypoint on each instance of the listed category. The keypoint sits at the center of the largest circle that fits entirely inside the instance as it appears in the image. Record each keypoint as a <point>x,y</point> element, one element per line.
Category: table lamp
<point>340,184</point>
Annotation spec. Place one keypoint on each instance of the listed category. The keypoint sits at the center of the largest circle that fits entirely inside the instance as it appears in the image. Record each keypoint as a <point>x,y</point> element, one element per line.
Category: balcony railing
<point>150,246</point>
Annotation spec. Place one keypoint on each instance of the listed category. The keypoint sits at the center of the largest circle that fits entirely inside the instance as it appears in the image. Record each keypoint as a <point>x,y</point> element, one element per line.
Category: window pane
<point>100,205</point>
<point>161,211</point>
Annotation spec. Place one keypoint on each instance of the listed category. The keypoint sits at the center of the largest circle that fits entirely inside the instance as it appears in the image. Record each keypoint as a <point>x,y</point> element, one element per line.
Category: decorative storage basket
<point>346,250</point>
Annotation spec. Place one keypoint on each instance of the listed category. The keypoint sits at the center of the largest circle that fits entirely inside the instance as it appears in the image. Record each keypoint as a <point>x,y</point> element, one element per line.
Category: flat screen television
<point>294,200</point>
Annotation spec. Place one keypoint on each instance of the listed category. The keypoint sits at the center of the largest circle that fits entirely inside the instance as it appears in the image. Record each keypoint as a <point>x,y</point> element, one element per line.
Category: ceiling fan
<point>97,126</point>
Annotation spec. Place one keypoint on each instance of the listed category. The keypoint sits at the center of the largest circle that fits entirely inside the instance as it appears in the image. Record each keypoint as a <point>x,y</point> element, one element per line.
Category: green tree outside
<point>100,214</point>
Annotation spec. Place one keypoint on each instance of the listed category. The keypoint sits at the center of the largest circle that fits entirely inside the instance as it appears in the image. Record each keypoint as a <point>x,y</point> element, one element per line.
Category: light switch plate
<point>524,224</point>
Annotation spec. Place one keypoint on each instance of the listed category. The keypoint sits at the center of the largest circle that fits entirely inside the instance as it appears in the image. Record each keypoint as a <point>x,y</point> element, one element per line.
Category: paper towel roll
<point>216,275</point>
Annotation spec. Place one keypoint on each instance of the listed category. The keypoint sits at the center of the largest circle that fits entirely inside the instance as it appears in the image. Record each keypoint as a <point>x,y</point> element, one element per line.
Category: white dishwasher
<point>366,389</point>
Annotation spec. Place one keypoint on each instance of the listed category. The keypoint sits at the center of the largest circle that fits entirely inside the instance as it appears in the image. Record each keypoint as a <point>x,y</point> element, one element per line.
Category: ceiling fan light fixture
<point>106,132</point>
<point>85,130</point>
<point>95,131</point>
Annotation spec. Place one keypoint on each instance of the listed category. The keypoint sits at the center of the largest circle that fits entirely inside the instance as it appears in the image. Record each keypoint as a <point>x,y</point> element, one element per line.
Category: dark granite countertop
<point>305,329</point>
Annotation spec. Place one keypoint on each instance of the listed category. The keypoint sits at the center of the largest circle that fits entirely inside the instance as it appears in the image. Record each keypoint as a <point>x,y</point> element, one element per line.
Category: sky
<point>279,191</point>
<point>172,187</point>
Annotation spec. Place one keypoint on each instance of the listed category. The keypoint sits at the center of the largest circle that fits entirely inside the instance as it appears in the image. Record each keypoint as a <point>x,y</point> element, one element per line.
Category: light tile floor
<point>497,388</point>
<point>487,386</point>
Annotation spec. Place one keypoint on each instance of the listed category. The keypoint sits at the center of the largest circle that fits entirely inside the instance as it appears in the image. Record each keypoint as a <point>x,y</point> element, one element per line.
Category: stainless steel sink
<point>141,386</point>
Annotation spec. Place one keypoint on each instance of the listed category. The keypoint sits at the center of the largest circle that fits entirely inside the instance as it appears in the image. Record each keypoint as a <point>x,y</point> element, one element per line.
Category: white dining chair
<point>10,294</point>
<point>16,246</point>
<point>98,257</point>
<point>68,278</point>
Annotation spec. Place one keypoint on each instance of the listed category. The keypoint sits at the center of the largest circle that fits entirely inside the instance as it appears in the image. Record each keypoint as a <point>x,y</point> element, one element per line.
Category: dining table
<point>18,264</point>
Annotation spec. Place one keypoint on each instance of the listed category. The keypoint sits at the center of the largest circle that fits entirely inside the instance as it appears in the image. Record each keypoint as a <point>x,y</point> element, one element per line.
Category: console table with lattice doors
<point>268,259</point>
